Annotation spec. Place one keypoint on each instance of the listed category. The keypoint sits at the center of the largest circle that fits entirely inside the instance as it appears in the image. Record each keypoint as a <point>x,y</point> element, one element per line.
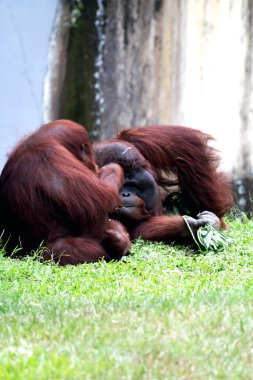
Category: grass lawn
<point>162,313</point>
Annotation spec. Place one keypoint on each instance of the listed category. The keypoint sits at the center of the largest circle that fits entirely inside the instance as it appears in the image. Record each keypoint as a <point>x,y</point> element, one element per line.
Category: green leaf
<point>209,239</point>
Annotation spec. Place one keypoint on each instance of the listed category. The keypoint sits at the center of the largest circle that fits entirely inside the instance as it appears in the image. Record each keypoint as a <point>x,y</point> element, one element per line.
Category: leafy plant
<point>208,238</point>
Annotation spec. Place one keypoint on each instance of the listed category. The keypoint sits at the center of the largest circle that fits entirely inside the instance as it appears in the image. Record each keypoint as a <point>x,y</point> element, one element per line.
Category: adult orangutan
<point>164,167</point>
<point>51,192</point>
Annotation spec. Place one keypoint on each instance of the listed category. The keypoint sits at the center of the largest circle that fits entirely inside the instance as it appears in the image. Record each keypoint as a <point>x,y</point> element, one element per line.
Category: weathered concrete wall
<point>217,77</point>
<point>56,62</point>
<point>79,88</point>
<point>186,62</point>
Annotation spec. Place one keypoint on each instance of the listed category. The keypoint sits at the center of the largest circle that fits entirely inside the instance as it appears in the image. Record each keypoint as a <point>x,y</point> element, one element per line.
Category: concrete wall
<point>185,62</point>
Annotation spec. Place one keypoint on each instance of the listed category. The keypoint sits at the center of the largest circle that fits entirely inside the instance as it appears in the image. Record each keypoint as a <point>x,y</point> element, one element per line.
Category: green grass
<point>162,313</point>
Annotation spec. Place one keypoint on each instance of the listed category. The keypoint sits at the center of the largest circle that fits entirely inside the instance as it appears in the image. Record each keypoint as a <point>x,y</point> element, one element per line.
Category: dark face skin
<point>139,194</point>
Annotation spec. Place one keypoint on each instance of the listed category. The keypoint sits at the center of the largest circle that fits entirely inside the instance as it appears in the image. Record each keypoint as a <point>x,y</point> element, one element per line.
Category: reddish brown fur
<point>186,152</point>
<point>51,192</point>
<point>165,150</point>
